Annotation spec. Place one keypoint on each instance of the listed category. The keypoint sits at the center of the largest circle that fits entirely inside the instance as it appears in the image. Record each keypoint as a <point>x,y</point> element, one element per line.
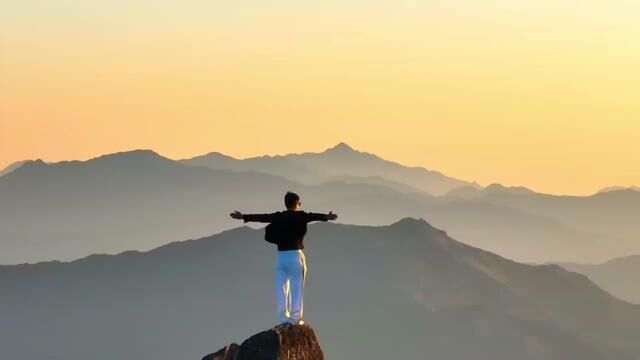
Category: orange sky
<point>530,93</point>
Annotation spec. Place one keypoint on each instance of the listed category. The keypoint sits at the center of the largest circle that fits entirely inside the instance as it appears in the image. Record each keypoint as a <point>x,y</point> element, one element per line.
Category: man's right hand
<point>236,215</point>
<point>331,216</point>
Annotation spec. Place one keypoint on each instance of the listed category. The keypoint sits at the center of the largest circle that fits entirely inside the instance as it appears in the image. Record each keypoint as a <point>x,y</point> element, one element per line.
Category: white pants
<point>291,272</point>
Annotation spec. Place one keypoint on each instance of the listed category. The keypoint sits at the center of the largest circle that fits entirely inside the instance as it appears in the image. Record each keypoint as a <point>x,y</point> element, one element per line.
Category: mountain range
<point>405,290</point>
<point>613,213</point>
<point>617,276</point>
<point>139,200</point>
<point>337,162</point>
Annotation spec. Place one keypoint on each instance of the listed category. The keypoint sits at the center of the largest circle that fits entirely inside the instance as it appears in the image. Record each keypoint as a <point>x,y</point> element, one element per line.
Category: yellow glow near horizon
<point>531,93</point>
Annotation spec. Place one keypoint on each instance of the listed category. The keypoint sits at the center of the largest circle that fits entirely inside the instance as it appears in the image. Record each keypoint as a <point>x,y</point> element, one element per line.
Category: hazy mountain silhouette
<point>617,276</point>
<point>401,291</point>
<point>470,192</point>
<point>140,200</point>
<point>340,160</point>
<point>578,222</point>
<point>618,188</point>
<point>12,167</point>
<point>374,180</point>
<point>610,215</point>
<point>136,199</point>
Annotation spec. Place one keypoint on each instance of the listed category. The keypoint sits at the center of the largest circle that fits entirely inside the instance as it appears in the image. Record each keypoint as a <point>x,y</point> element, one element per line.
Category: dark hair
<point>291,200</point>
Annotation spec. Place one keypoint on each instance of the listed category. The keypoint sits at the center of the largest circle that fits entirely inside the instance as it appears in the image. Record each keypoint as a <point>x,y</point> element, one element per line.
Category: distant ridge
<point>469,192</point>
<point>616,276</point>
<point>131,155</point>
<point>619,188</point>
<point>139,199</point>
<point>13,167</point>
<point>124,158</point>
<point>337,161</point>
<point>128,200</point>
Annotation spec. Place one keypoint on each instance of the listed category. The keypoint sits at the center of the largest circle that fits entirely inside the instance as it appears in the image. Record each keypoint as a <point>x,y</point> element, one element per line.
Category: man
<point>291,269</point>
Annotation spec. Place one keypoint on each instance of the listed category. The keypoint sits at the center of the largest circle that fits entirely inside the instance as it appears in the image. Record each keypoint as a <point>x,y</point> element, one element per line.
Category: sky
<point>543,94</point>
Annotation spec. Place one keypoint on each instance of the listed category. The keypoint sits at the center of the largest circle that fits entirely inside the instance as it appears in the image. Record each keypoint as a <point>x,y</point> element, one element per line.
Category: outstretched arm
<point>264,218</point>
<point>321,217</point>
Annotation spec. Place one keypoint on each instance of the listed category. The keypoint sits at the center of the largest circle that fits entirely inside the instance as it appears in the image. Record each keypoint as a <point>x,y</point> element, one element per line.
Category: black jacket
<point>295,228</point>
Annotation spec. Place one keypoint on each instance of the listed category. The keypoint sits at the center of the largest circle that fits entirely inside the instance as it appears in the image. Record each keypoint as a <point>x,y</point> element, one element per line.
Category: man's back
<point>291,225</point>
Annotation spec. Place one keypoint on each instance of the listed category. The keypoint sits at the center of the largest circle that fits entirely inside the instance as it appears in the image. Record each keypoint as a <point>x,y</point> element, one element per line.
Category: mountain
<point>12,167</point>
<point>618,188</point>
<point>135,199</point>
<point>340,160</point>
<point>139,200</point>
<point>470,192</point>
<point>603,225</point>
<point>277,165</point>
<point>617,276</point>
<point>610,215</point>
<point>397,291</point>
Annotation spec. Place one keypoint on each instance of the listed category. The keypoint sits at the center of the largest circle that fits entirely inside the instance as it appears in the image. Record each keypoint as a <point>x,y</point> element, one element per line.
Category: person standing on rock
<point>287,229</point>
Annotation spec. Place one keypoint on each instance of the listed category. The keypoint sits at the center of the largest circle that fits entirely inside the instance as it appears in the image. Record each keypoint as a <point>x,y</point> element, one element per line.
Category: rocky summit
<point>284,342</point>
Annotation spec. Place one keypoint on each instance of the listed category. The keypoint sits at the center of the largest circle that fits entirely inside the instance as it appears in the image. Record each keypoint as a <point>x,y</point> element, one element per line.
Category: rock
<point>226,353</point>
<point>284,342</point>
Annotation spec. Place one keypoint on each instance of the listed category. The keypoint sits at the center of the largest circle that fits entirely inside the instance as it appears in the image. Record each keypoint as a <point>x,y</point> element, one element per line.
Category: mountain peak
<point>212,155</point>
<point>341,147</point>
<point>138,153</point>
<point>32,164</point>
<point>133,157</point>
<point>281,342</point>
<point>410,222</point>
<point>13,167</point>
<point>497,187</point>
